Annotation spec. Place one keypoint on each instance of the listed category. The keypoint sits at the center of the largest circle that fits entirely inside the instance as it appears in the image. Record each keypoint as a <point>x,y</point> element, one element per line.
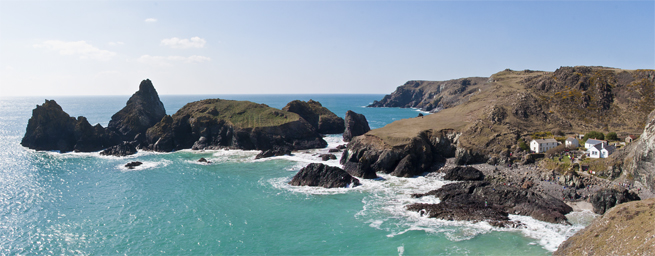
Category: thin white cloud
<point>169,60</point>
<point>194,42</point>
<point>115,43</point>
<point>151,20</point>
<point>79,48</point>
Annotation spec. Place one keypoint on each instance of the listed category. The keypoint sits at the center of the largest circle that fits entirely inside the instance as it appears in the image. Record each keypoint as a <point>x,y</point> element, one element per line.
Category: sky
<point>52,48</point>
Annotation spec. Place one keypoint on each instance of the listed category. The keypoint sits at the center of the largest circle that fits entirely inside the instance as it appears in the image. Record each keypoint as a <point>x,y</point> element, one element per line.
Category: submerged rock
<point>356,125</point>
<point>321,118</point>
<point>277,151</point>
<point>323,176</point>
<point>203,160</point>
<point>326,157</point>
<point>142,111</point>
<point>131,165</point>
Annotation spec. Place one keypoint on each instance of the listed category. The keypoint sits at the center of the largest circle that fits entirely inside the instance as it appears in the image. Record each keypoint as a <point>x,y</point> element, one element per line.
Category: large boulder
<point>356,125</point>
<point>320,175</point>
<point>502,199</point>
<point>50,128</point>
<point>217,123</point>
<point>605,199</point>
<point>321,118</point>
<point>460,173</point>
<point>142,111</point>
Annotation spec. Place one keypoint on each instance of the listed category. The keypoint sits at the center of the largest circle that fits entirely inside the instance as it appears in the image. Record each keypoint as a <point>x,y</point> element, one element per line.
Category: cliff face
<point>142,111</point>
<point>50,128</point>
<point>626,229</point>
<point>216,123</point>
<point>321,118</point>
<point>432,95</point>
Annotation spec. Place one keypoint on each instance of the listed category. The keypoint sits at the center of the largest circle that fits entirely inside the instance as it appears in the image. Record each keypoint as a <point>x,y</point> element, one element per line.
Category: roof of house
<point>632,136</point>
<point>600,146</point>
<point>544,140</point>
<point>594,141</point>
<point>571,139</point>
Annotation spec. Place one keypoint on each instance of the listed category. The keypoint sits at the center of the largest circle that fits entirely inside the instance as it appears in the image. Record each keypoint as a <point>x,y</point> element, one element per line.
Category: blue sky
<point>51,48</point>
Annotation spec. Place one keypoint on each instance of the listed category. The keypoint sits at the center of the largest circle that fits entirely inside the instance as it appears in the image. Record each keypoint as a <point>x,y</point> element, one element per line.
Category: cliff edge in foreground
<point>626,229</point>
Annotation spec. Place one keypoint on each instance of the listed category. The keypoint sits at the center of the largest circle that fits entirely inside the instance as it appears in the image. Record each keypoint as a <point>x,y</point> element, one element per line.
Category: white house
<point>571,142</point>
<point>540,146</point>
<point>592,142</point>
<point>600,150</point>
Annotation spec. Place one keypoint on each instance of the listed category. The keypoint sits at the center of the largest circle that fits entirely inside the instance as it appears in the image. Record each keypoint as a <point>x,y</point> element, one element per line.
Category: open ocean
<point>87,204</point>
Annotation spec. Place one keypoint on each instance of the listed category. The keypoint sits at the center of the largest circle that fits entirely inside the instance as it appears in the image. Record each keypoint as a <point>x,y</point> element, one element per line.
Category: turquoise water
<point>82,203</point>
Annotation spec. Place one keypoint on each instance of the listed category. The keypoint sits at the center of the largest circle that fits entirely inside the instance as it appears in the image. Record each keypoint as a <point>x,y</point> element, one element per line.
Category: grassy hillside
<point>241,114</point>
<point>511,104</point>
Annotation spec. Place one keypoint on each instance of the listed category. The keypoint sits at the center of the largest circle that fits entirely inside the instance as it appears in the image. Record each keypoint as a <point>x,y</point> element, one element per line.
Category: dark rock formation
<point>463,173</point>
<point>571,179</point>
<point>131,165</point>
<point>276,151</point>
<point>605,199</point>
<point>50,128</point>
<point>367,155</point>
<point>123,149</point>
<point>469,200</point>
<point>203,160</point>
<point>356,125</point>
<point>323,176</point>
<point>216,123</point>
<point>321,118</point>
<point>142,111</point>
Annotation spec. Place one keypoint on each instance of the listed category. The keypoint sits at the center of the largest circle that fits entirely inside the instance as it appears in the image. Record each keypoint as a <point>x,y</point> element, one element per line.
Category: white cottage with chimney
<point>542,145</point>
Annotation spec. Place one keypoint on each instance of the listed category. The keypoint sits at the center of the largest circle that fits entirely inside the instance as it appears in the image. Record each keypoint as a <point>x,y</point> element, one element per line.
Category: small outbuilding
<point>571,142</point>
<point>630,138</point>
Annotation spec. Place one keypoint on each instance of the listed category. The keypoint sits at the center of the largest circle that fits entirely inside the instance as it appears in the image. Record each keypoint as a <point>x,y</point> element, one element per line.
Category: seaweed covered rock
<point>468,200</point>
<point>50,128</point>
<point>321,118</point>
<point>356,125</point>
<point>320,175</point>
<point>142,111</point>
<point>217,123</point>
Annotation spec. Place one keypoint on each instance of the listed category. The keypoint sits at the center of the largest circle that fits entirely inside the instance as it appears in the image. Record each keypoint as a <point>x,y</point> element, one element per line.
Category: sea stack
<point>142,111</point>
<point>356,125</point>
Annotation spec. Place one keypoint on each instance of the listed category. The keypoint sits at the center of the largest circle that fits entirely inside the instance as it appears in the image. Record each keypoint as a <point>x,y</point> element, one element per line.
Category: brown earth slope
<point>626,229</point>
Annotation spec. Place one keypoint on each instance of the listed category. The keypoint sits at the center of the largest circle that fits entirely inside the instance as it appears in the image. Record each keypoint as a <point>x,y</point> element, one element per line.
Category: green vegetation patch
<point>242,114</point>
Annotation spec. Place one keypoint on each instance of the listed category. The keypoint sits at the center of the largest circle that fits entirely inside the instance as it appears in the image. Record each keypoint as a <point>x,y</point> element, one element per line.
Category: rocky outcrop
<point>321,118</point>
<point>50,128</point>
<point>320,175</point>
<point>640,159</point>
<point>367,155</point>
<point>123,149</point>
<point>605,199</point>
<point>131,165</point>
<point>356,125</point>
<point>142,111</point>
<point>482,200</point>
<point>217,123</point>
<point>463,174</point>
<point>626,229</point>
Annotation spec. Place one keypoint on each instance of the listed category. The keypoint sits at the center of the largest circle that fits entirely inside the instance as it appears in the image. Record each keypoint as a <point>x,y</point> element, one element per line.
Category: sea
<point>87,204</point>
